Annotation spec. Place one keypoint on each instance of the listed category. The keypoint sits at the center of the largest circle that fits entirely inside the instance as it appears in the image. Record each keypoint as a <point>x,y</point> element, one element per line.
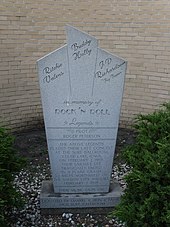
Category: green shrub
<point>10,163</point>
<point>146,201</point>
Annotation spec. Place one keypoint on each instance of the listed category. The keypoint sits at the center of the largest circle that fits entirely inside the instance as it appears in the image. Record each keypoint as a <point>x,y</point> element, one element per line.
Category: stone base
<point>49,199</point>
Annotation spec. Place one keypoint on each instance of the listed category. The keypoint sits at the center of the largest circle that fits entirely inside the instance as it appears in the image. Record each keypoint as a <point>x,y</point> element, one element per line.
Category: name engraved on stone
<point>52,73</point>
<point>81,50</point>
<point>107,70</point>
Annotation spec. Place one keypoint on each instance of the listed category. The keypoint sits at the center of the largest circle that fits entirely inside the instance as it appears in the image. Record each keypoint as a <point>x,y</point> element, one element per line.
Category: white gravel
<point>29,182</point>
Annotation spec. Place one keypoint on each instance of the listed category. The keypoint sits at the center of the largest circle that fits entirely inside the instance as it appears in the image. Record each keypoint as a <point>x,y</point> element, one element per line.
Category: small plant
<point>146,201</point>
<point>10,163</point>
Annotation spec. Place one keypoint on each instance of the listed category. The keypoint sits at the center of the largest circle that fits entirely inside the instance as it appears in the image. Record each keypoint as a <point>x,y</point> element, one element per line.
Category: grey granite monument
<point>81,88</point>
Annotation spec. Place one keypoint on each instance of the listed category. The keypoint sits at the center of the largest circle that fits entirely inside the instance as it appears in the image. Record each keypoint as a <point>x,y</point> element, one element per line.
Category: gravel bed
<point>29,181</point>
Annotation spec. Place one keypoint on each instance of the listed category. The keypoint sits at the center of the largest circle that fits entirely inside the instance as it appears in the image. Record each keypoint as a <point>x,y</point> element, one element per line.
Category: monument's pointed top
<point>51,53</point>
<point>113,55</point>
<point>74,33</point>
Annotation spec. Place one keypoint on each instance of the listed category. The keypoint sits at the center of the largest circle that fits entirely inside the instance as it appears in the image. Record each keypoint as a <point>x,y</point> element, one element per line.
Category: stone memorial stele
<point>81,89</point>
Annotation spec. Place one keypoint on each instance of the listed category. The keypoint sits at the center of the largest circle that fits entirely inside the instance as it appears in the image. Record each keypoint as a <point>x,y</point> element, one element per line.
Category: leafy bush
<point>146,201</point>
<point>10,163</point>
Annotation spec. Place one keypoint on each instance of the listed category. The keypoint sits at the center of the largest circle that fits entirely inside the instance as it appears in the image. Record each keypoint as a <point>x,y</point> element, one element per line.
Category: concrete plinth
<point>51,200</point>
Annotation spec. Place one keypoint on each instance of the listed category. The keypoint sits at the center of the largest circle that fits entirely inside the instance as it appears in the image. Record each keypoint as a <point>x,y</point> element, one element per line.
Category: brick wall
<point>137,30</point>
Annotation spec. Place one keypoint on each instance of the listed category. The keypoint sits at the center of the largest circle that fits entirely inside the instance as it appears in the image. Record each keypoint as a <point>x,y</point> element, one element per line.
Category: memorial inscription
<point>81,89</point>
